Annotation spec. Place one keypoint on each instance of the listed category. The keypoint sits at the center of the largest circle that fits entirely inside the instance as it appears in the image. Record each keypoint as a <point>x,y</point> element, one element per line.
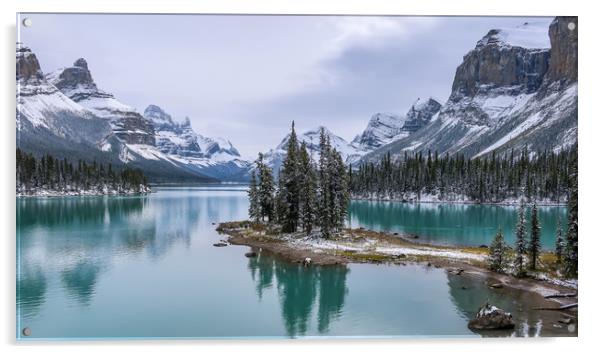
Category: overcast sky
<point>245,78</point>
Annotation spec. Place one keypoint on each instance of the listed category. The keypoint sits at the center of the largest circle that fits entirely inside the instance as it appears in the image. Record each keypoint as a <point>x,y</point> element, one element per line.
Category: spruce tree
<point>253,193</point>
<point>308,190</point>
<point>290,183</point>
<point>266,190</point>
<point>324,199</point>
<point>498,259</point>
<point>535,241</point>
<point>520,261</point>
<point>570,254</point>
<point>559,246</point>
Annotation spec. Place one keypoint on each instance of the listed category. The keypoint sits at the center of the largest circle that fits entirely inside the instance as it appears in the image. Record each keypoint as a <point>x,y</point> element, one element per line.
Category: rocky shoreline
<point>364,246</point>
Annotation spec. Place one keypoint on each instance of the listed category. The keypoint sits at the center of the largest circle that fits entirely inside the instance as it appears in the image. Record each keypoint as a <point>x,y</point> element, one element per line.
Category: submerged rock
<point>251,254</point>
<point>220,244</point>
<point>490,317</point>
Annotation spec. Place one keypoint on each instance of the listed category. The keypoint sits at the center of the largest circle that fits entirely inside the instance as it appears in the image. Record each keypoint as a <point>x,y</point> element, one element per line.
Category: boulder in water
<point>490,317</point>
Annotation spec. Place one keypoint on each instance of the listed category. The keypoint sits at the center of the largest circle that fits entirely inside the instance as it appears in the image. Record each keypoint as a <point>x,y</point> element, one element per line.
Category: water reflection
<point>31,290</point>
<point>467,224</point>
<point>80,238</point>
<point>301,290</point>
<point>80,281</point>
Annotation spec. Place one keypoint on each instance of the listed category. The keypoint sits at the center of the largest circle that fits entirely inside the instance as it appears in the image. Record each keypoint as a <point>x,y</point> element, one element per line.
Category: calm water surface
<point>144,266</point>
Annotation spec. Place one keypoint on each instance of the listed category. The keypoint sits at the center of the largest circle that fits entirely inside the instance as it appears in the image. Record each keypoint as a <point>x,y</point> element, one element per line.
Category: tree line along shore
<point>312,197</point>
<point>48,176</point>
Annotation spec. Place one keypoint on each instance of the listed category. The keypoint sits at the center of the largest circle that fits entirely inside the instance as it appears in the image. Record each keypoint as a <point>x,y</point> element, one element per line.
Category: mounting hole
<point>26,331</point>
<point>572,26</point>
<point>27,22</point>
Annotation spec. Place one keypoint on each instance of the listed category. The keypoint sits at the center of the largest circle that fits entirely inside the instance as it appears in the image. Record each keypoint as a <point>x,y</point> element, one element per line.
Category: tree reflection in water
<point>302,289</point>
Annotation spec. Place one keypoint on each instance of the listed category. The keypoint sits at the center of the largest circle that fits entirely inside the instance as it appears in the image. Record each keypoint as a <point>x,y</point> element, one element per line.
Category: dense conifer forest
<point>308,195</point>
<point>542,177</point>
<point>49,175</point>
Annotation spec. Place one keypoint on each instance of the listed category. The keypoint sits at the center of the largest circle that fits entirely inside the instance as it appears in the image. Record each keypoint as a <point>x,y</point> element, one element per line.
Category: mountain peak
<point>157,115</point>
<point>28,66</point>
<point>81,63</point>
<point>529,35</point>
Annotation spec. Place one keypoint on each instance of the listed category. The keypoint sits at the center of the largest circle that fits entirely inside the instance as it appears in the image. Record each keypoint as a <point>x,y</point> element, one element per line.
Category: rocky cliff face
<point>563,55</point>
<point>28,67</point>
<point>214,157</point>
<point>495,63</point>
<point>517,88</point>
<point>76,82</point>
<point>420,114</point>
<point>383,128</point>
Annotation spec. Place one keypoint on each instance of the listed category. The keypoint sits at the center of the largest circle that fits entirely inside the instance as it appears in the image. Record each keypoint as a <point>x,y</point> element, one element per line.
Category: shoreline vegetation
<point>48,176</point>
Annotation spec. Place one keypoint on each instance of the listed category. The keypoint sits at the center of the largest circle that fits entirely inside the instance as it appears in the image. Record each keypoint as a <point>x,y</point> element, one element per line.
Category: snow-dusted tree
<point>265,190</point>
<point>559,246</point>
<point>535,241</point>
<point>520,261</point>
<point>280,201</point>
<point>570,254</point>
<point>498,253</point>
<point>308,190</point>
<point>254,207</point>
<point>339,190</point>
<point>291,183</point>
<point>324,197</point>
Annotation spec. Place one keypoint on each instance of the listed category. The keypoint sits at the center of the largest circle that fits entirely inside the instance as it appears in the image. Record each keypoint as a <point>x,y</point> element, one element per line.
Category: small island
<point>302,219</point>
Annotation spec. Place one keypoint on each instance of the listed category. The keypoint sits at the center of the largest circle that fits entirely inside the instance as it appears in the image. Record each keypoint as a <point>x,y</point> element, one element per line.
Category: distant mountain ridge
<point>516,89</point>
<point>66,114</point>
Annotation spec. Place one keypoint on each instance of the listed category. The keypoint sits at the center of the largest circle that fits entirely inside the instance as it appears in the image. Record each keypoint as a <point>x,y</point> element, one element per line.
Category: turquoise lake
<point>145,267</point>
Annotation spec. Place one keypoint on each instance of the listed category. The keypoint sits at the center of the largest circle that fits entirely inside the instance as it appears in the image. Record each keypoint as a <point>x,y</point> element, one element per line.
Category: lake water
<point>453,224</point>
<point>144,266</point>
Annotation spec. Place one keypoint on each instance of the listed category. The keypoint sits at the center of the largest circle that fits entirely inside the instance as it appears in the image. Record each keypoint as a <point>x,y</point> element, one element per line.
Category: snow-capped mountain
<point>517,88</point>
<point>349,153</point>
<point>64,113</point>
<point>383,128</point>
<point>76,83</point>
<point>47,120</point>
<point>214,157</point>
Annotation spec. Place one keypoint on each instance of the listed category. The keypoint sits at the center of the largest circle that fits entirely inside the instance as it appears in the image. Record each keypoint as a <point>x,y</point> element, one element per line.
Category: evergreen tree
<point>280,211</point>
<point>520,260</point>
<point>254,203</point>
<point>324,186</point>
<point>535,241</point>
<point>266,190</point>
<point>291,183</point>
<point>570,254</point>
<point>308,190</point>
<point>498,258</point>
<point>559,246</point>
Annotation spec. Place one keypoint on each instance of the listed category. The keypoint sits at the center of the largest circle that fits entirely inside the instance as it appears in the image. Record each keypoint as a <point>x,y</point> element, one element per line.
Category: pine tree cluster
<point>60,175</point>
<point>308,195</point>
<point>490,179</point>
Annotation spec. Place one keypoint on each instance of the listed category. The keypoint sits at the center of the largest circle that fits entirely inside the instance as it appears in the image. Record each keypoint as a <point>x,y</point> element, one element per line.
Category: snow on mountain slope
<point>215,157</point>
<point>77,83</point>
<point>506,96</point>
<point>530,35</point>
<point>381,128</point>
<point>384,128</point>
<point>349,153</point>
<point>44,113</point>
